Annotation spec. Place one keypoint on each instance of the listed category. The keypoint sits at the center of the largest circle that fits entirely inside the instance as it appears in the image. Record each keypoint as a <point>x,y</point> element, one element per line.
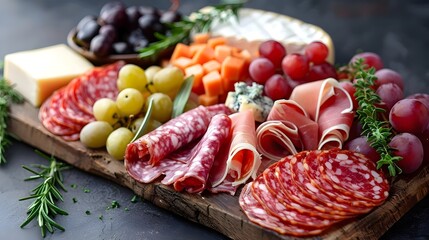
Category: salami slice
<point>156,145</point>
<point>257,214</point>
<point>195,178</point>
<point>283,174</point>
<point>355,175</point>
<point>273,206</point>
<point>300,178</point>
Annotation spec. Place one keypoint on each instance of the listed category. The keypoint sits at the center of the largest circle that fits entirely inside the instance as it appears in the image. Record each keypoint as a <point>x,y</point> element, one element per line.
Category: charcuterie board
<point>220,212</point>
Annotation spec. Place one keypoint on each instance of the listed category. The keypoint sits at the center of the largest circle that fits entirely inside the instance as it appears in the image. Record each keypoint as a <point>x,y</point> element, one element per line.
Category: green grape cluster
<point>117,121</point>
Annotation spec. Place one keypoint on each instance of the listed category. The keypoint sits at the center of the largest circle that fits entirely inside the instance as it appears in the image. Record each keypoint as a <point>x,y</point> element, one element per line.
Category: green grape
<point>129,102</point>
<point>131,76</point>
<point>117,142</point>
<point>168,80</point>
<point>162,107</point>
<point>152,124</point>
<point>94,134</point>
<point>151,71</point>
<point>105,109</point>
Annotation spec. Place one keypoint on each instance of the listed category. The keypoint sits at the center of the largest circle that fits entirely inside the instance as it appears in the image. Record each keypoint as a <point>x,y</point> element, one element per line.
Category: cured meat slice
<point>156,145</point>
<point>318,115</point>
<point>355,175</point>
<point>273,206</point>
<point>301,179</point>
<point>284,176</point>
<point>274,186</point>
<point>257,214</point>
<point>65,114</point>
<point>195,178</point>
<point>243,160</point>
<point>319,184</point>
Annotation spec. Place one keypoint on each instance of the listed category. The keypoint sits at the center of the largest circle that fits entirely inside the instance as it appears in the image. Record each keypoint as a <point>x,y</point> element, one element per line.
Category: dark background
<point>397,30</point>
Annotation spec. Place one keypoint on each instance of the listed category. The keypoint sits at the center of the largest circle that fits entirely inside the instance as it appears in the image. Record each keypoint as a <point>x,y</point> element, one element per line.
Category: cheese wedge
<point>256,26</point>
<point>36,74</point>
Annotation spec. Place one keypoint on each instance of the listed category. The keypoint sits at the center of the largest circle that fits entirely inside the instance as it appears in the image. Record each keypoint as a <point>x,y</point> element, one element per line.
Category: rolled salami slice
<point>159,143</point>
<point>195,178</point>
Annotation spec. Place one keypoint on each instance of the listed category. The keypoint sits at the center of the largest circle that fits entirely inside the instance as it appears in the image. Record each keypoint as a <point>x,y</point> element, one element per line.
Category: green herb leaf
<point>200,22</point>
<point>378,132</point>
<point>45,194</point>
<point>182,97</point>
<point>134,199</point>
<point>145,121</point>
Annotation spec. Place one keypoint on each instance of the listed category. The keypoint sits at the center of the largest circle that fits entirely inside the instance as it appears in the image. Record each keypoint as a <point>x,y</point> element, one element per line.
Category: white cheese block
<point>36,74</point>
<point>255,26</point>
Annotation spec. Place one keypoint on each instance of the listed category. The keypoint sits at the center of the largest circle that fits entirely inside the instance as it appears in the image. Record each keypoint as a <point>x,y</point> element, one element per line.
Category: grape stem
<point>378,132</point>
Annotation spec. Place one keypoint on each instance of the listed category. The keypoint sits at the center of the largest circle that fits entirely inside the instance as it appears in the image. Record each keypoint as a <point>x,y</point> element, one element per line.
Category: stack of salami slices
<point>69,109</point>
<point>304,194</point>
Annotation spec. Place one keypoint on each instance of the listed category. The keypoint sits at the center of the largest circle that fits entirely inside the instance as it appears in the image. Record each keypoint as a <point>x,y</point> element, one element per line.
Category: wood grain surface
<point>220,212</point>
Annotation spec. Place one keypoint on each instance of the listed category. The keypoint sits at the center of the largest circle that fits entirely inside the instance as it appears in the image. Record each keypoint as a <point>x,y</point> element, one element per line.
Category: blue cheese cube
<point>250,97</point>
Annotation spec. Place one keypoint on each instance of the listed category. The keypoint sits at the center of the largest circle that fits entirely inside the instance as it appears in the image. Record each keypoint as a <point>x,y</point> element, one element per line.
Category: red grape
<point>410,148</point>
<point>409,115</point>
<point>355,129</point>
<point>361,145</point>
<point>316,52</point>
<point>296,66</point>
<point>369,59</point>
<point>277,87</point>
<point>274,51</point>
<point>261,69</point>
<point>348,86</point>
<point>422,97</point>
<point>390,93</point>
<point>386,75</point>
<point>322,71</point>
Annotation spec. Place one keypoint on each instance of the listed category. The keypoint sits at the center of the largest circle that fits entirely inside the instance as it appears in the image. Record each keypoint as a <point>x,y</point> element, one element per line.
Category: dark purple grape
<point>321,71</point>
<point>100,46</point>
<point>422,97</point>
<point>108,6</point>
<point>150,24</point>
<point>109,31</point>
<point>370,59</point>
<point>170,17</point>
<point>133,14</point>
<point>121,48</point>
<point>147,10</point>
<point>115,16</point>
<point>134,36</point>
<point>361,145</point>
<point>88,31</point>
<point>386,75</point>
<point>84,21</point>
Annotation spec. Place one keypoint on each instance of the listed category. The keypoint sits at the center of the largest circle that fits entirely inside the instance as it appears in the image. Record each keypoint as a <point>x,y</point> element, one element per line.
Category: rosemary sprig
<point>377,131</point>
<point>45,195</point>
<point>7,96</point>
<point>199,23</point>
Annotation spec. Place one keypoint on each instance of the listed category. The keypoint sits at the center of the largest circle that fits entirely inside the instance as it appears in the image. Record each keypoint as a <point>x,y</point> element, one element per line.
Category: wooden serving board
<point>220,212</point>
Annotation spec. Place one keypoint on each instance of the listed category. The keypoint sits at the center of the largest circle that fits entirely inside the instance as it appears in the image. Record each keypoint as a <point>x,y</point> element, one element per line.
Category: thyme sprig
<point>199,23</point>
<point>7,96</point>
<point>378,132</point>
<point>45,194</point>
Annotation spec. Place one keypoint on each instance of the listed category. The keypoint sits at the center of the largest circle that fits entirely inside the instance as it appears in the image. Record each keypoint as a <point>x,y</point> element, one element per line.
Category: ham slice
<point>318,115</point>
<point>236,165</point>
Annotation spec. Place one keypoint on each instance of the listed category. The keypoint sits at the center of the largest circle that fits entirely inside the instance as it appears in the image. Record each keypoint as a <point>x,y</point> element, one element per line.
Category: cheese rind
<point>36,74</point>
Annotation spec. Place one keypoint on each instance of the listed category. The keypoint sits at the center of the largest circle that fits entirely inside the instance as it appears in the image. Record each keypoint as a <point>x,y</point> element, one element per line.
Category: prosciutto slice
<point>236,165</point>
<point>318,115</point>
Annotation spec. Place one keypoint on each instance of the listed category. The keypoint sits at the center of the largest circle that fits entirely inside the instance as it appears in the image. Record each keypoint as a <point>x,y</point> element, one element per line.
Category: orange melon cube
<point>201,37</point>
<point>198,72</point>
<point>203,55</point>
<point>182,62</point>
<point>207,100</point>
<point>213,42</point>
<point>231,72</point>
<point>213,84</point>
<point>181,50</point>
<point>221,52</point>
<point>211,66</point>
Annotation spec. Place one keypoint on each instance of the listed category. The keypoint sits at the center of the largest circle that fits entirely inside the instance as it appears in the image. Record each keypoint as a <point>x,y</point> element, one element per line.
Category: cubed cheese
<point>249,97</point>
<point>36,74</point>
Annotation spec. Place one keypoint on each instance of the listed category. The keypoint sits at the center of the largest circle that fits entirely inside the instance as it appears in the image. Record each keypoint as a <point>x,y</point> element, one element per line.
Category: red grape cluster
<point>122,30</point>
<point>280,72</point>
<point>409,117</point>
